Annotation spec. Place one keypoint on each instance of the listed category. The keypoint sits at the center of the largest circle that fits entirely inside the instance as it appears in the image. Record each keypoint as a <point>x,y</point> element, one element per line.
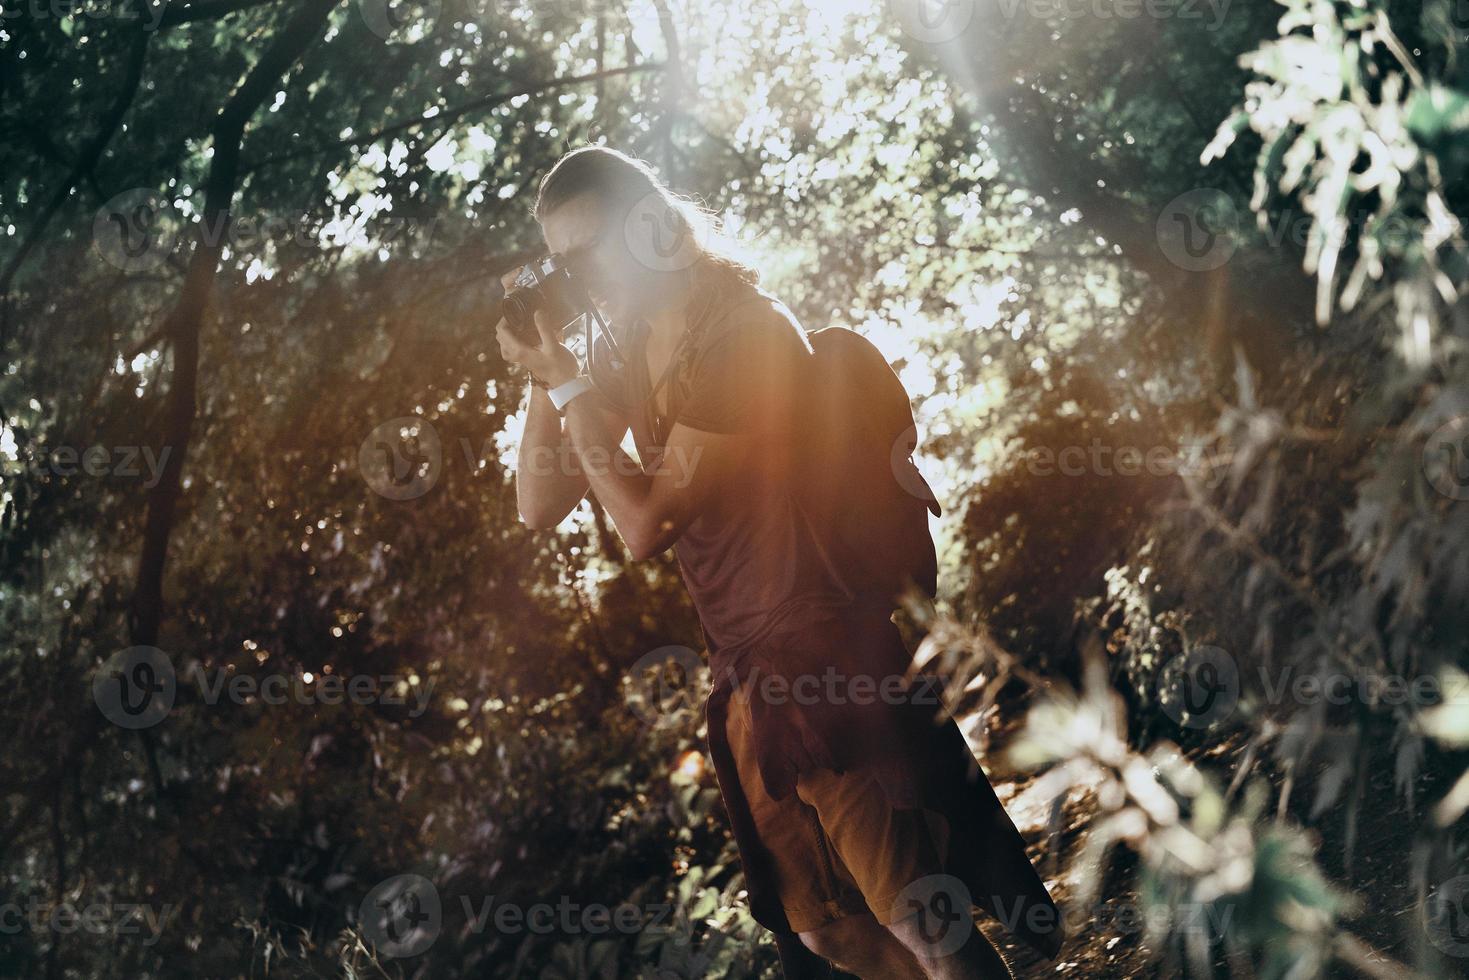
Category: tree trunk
<point>186,320</point>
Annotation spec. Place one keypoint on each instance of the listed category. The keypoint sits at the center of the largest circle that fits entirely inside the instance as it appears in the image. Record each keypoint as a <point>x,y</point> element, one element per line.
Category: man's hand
<point>551,361</point>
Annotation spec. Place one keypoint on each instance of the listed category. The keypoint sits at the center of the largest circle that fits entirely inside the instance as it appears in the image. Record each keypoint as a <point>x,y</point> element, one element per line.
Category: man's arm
<point>651,510</point>
<point>549,477</point>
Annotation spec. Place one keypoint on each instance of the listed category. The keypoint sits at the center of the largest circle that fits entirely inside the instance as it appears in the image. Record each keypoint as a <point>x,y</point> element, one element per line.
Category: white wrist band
<point>562,394</point>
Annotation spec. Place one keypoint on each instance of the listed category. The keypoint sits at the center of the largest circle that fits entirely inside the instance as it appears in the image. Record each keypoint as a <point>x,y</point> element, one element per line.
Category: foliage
<point>993,211</point>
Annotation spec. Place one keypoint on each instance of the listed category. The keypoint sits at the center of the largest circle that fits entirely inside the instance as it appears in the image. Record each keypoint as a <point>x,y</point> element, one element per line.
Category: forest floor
<point>1088,951</point>
<point>1110,942</point>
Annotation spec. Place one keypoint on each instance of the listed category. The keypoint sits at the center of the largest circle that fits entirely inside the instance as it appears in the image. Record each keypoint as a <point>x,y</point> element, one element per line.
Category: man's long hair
<point>620,183</point>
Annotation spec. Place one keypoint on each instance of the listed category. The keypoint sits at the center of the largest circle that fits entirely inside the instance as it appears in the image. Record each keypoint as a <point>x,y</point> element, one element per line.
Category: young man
<point>865,829</point>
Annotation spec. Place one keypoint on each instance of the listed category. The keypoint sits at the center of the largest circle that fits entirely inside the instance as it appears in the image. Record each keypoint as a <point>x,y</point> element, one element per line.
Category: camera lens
<point>520,311</point>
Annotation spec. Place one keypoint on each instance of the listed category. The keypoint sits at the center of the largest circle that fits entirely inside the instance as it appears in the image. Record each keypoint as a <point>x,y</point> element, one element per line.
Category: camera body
<point>550,284</point>
<point>545,284</point>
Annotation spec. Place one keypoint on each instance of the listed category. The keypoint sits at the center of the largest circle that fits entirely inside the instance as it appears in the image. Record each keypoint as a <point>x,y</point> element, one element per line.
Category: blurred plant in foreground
<point>1219,883</point>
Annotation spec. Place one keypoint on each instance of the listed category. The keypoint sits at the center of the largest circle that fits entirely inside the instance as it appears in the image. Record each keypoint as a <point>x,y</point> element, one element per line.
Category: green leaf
<point>1436,110</point>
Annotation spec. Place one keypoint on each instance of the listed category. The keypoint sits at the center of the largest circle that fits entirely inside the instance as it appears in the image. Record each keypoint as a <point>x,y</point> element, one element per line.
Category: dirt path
<point>1092,949</point>
<point>1108,944</point>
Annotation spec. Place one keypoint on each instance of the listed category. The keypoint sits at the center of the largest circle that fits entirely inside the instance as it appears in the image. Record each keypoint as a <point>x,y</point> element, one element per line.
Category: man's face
<point>576,228</point>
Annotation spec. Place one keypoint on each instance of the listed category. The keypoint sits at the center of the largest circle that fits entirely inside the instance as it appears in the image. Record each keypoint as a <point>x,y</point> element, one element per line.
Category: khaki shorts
<point>837,847</point>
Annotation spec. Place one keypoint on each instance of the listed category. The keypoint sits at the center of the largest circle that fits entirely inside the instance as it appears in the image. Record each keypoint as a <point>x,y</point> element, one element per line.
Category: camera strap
<point>594,316</point>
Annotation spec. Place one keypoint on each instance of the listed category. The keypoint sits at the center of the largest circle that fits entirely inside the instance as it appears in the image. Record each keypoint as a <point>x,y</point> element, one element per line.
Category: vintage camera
<point>552,284</point>
<point>545,284</point>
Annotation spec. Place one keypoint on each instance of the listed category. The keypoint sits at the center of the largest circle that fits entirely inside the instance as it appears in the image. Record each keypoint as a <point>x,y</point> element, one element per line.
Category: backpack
<point>867,501</point>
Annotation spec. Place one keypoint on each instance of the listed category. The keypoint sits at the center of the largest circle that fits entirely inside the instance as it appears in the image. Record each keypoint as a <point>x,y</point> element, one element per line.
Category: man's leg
<point>861,946</point>
<point>975,960</point>
<point>890,852</point>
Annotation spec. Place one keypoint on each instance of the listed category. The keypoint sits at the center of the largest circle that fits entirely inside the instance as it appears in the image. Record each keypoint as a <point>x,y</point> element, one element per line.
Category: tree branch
<point>452,113</point>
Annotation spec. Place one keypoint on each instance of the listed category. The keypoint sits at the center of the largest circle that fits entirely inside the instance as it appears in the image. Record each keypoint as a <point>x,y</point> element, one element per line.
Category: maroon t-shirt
<point>750,561</point>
